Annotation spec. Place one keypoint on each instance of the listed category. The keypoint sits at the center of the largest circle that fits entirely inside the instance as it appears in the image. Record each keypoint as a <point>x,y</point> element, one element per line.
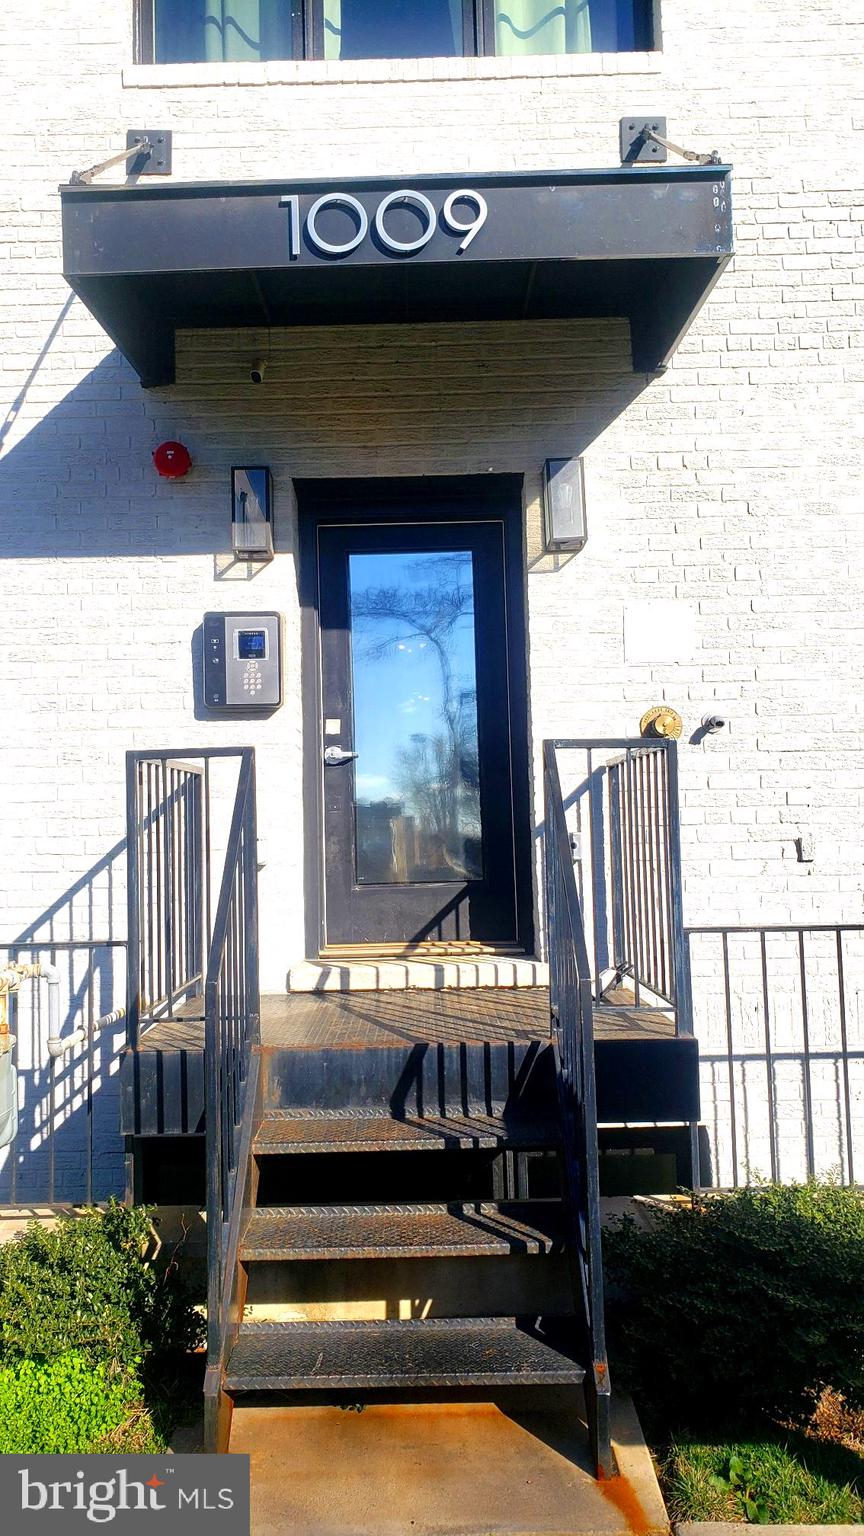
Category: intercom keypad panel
<point>242,661</point>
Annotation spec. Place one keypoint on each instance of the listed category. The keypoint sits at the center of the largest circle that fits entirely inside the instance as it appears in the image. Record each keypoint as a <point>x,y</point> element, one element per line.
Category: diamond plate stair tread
<point>485,1351</point>
<point>294,1131</point>
<point>404,1231</point>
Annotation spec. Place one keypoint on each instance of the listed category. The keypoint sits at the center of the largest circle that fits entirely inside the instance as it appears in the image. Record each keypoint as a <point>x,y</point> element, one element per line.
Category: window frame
<point>307,31</point>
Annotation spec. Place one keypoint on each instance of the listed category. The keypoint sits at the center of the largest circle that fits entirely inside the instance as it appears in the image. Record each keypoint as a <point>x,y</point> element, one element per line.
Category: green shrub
<point>69,1406</point>
<point>87,1286</point>
<point>740,1305</point>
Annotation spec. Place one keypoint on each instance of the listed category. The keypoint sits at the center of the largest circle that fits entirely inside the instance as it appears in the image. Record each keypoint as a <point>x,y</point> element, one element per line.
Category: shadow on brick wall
<point>68,1147</point>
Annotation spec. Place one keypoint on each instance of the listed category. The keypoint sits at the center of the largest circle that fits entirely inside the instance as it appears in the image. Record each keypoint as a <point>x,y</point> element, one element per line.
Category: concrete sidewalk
<point>516,1467</point>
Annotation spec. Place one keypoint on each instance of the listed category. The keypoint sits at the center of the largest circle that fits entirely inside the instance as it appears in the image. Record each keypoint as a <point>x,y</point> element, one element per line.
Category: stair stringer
<point>218,1404</point>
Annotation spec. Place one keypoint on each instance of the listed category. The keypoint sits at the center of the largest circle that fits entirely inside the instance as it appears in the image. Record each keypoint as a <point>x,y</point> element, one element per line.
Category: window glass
<point>221,31</point>
<point>414,685</point>
<point>565,26</point>
<point>392,29</point>
<point>229,31</point>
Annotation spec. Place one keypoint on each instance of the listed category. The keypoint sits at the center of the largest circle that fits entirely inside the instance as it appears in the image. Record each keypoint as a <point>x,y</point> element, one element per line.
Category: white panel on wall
<point>659,630</point>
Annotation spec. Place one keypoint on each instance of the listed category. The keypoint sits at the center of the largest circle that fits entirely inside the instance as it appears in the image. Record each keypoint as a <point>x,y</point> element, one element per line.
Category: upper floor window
<point>230,31</point>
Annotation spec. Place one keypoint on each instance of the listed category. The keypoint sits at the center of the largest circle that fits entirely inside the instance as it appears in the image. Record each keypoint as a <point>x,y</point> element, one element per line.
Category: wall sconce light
<point>252,513</point>
<point>564,504</point>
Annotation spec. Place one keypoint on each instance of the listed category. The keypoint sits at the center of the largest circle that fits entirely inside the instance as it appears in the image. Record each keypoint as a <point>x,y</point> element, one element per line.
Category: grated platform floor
<point>434,1352</point>
<point>294,1130</point>
<point>309,1020</point>
<point>404,1231</point>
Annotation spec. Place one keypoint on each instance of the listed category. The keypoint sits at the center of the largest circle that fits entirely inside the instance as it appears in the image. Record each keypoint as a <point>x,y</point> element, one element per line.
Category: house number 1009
<point>416,200</point>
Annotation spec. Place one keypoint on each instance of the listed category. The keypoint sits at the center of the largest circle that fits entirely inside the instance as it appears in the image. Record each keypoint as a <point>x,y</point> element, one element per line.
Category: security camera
<point>713,722</point>
<point>258,370</point>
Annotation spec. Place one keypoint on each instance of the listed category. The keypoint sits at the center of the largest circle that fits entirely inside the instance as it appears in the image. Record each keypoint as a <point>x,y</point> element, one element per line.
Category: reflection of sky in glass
<point>392,29</point>
<point>415,716</point>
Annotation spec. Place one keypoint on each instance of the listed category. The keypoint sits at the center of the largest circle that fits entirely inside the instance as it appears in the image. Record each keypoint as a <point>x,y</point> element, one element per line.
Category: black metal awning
<point>643,244</point>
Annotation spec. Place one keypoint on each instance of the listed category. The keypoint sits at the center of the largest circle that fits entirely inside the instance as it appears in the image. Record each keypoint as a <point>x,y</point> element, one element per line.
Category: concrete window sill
<point>389,71</point>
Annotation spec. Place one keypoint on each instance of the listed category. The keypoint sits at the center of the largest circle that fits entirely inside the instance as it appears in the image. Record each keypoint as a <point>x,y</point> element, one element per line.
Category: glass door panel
<point>414,684</point>
<point>417,796</point>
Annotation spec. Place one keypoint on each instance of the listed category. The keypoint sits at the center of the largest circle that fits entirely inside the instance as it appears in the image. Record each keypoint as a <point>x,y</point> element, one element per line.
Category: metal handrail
<point>168,878</point>
<point>232,1008</point>
<point>159,908</point>
<point>571,1002</point>
<point>631,786</point>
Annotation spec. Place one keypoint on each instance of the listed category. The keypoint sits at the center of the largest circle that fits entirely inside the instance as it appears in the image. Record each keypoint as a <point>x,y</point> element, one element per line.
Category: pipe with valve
<point>11,977</point>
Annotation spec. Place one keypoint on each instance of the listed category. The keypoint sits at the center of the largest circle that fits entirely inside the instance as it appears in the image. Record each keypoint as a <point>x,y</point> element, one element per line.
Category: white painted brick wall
<point>732,484</point>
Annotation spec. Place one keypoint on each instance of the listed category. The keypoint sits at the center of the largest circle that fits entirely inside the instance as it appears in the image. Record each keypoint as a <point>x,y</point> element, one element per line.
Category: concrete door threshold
<point>517,1466</point>
<point>330,974</point>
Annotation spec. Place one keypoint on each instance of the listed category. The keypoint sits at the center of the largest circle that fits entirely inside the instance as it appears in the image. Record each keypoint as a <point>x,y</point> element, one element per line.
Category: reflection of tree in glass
<point>437,773</point>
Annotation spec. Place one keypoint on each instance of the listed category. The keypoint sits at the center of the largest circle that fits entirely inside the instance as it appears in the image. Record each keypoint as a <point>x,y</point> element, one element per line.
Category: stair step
<point>404,1231</point>
<point>356,1131</point>
<point>430,1352</point>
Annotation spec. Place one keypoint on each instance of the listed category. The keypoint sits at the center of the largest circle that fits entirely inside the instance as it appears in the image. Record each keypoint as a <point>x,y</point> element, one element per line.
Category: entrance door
<point>416,758</point>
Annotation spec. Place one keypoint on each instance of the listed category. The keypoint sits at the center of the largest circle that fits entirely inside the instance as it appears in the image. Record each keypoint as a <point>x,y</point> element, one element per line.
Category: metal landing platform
<point>307,1020</point>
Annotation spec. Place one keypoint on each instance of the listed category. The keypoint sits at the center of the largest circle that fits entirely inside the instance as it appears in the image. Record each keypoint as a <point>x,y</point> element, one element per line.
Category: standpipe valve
<point>11,978</point>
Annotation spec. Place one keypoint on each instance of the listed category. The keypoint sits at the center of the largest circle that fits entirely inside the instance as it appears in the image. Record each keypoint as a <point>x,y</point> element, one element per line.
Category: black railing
<point>232,1009</point>
<point>645,873</point>
<point>571,999</point>
<point>67,1148</point>
<point>627,844</point>
<point>168,854</point>
<point>780,1022</point>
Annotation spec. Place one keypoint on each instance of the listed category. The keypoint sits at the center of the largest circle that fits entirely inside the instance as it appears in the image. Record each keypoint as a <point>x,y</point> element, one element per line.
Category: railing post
<point>251,885</point>
<point>616,870</point>
<point>133,913</point>
<point>549,880</point>
<point>231,1009</point>
<point>213,1132</point>
<point>682,989</point>
<point>571,993</point>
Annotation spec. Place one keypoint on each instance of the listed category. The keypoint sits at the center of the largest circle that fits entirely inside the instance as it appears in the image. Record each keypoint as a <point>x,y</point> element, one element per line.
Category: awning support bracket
<point>152,148</point>
<point>643,140</point>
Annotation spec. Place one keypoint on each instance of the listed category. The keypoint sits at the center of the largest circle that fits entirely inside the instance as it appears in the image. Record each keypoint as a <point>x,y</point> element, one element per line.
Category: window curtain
<point>543,26</point>
<point>232,31</point>
<point>237,31</point>
<point>333,27</point>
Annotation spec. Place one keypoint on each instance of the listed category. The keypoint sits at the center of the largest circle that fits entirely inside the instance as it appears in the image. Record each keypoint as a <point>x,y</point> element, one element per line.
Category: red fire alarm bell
<point>172,460</point>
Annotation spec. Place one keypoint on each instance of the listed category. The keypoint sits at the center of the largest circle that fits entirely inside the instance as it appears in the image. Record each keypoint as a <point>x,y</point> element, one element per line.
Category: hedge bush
<point>740,1305</point>
<point>87,1286</point>
<point>69,1406</point>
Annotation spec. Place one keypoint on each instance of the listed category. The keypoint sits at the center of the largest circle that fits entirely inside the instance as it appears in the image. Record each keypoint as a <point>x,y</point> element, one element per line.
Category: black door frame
<point>468,498</point>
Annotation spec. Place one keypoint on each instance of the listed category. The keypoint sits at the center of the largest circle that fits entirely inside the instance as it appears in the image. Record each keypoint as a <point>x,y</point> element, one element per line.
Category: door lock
<point>335,755</point>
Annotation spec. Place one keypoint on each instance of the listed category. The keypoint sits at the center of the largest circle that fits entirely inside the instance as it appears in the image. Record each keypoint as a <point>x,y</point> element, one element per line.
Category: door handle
<point>335,755</point>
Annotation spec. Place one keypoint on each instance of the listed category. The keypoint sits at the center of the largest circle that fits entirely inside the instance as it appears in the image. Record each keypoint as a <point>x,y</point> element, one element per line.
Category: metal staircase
<point>454,1119</point>
<point>459,1155</point>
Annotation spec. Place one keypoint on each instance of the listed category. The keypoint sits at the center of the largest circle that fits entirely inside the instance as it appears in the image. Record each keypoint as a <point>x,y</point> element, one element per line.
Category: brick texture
<point>731,485</point>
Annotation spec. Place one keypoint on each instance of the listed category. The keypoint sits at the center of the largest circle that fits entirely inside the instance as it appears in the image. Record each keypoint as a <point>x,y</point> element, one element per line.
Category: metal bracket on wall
<point>637,148</point>
<point>149,151</point>
<point>643,141</point>
<point>156,161</point>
